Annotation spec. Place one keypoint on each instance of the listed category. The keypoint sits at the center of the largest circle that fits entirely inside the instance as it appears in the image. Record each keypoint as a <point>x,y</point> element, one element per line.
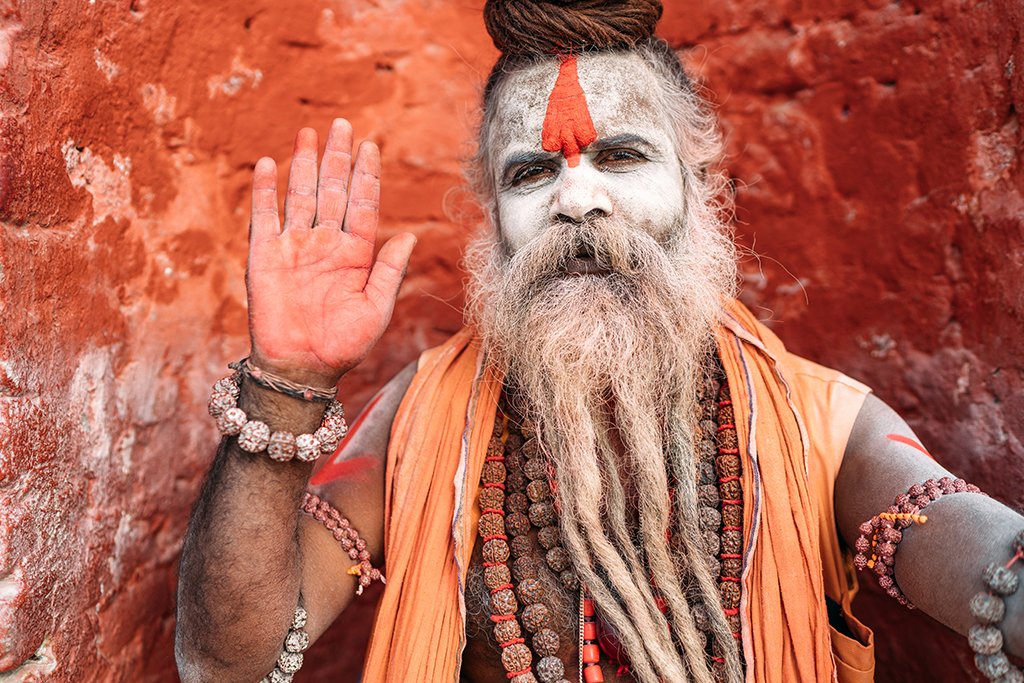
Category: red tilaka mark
<point>568,127</point>
<point>338,467</point>
<point>899,438</point>
<point>344,469</point>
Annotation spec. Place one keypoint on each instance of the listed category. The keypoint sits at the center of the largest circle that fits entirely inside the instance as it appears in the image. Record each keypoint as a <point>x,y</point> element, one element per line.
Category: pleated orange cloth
<point>792,557</point>
<point>789,527</point>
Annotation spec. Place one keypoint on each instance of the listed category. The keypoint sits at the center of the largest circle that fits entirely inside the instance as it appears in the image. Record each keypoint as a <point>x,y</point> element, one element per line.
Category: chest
<point>525,609</point>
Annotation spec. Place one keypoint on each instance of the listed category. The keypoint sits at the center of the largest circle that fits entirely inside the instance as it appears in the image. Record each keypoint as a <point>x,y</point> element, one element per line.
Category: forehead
<point>621,95</point>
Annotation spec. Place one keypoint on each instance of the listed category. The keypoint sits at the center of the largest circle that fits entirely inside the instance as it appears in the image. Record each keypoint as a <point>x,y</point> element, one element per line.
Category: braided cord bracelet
<point>268,380</point>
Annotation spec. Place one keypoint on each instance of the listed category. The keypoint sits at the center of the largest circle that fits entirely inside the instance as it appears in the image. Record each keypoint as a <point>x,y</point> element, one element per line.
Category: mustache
<point>615,246</point>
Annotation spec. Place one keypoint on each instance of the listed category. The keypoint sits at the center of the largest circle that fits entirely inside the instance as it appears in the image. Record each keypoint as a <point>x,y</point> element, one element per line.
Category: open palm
<point>318,301</point>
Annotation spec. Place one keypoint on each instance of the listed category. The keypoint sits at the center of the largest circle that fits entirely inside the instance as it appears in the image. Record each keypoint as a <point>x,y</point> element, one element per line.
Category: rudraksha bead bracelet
<point>295,643</point>
<point>347,536</point>
<point>985,638</point>
<point>255,436</point>
<point>880,536</point>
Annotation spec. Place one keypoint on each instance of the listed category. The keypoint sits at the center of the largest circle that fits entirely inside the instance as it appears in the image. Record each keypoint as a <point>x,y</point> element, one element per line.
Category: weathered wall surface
<point>876,148</point>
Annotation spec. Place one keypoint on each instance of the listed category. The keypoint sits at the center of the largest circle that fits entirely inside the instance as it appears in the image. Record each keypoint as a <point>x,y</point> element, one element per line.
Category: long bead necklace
<point>517,494</point>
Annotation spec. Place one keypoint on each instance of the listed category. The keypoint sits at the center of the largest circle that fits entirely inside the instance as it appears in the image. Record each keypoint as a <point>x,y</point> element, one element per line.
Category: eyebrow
<point>623,140</point>
<point>525,159</point>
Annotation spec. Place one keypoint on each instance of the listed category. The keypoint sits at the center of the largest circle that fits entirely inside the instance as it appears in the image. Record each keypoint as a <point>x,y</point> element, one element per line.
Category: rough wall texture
<point>876,149</point>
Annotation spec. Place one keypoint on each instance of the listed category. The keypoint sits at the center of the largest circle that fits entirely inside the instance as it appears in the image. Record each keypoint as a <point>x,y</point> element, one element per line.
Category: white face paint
<point>630,171</point>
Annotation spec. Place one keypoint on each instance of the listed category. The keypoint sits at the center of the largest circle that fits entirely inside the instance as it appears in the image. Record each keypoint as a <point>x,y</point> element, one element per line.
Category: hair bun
<point>543,27</point>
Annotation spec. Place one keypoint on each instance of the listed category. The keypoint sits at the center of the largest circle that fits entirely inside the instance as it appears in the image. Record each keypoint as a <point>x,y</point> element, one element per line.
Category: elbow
<point>193,667</point>
<point>197,664</point>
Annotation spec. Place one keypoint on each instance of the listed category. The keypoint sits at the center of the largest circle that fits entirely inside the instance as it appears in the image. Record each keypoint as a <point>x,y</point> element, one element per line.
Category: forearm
<point>939,564</point>
<point>318,301</point>
<point>241,565</point>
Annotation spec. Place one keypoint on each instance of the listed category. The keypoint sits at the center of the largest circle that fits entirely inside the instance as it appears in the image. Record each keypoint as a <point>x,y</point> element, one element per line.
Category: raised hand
<point>318,301</point>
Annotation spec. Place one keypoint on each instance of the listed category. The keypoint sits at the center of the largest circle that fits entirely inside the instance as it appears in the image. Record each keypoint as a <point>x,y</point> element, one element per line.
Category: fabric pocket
<point>855,657</point>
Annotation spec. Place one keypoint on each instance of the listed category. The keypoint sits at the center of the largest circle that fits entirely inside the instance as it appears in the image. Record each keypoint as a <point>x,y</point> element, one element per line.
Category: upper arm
<point>352,480</point>
<point>883,459</point>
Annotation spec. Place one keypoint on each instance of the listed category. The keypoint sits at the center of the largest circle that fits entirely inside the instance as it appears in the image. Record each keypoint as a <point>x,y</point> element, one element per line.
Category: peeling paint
<point>105,65</point>
<point>231,83</point>
<point>110,188</point>
<point>159,103</point>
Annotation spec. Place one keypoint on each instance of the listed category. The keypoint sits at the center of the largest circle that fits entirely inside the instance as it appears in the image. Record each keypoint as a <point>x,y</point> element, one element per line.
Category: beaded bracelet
<point>880,535</point>
<point>295,643</point>
<point>255,436</point>
<point>985,638</point>
<point>347,536</point>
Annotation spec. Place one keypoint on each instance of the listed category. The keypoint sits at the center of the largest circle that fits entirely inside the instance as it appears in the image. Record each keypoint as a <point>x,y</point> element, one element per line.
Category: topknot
<point>548,27</point>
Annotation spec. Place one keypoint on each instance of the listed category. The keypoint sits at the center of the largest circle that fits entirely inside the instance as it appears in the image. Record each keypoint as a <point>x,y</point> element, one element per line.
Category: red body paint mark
<point>907,441</point>
<point>337,466</point>
<point>568,127</point>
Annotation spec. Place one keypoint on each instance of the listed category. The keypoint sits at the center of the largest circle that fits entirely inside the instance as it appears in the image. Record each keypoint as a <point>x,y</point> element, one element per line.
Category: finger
<point>265,221</point>
<point>364,194</point>
<point>389,271</point>
<point>300,202</point>
<point>332,189</point>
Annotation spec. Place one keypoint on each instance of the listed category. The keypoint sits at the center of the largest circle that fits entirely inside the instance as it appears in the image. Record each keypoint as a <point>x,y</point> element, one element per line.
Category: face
<point>630,172</point>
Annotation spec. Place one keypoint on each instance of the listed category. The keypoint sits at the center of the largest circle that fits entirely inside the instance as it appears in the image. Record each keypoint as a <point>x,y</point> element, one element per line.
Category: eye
<point>531,173</point>
<point>620,159</point>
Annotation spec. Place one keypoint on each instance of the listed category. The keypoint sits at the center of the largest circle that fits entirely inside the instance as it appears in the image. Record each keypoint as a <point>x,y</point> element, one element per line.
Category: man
<point>614,470</point>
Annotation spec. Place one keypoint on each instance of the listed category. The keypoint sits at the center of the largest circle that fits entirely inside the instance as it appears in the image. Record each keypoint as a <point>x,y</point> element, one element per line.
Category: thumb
<point>389,271</point>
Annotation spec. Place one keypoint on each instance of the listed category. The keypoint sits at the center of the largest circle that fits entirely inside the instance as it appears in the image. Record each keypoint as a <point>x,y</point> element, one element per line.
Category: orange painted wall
<point>875,147</point>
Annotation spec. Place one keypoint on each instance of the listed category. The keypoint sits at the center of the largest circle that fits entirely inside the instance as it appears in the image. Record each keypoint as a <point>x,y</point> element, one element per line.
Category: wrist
<point>317,377</point>
<point>280,412</point>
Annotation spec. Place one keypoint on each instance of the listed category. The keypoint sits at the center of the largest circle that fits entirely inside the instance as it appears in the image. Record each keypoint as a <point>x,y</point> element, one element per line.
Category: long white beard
<point>608,367</point>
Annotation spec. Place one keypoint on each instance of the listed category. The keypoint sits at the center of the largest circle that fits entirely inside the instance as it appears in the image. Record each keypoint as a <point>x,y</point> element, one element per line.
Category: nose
<point>580,194</point>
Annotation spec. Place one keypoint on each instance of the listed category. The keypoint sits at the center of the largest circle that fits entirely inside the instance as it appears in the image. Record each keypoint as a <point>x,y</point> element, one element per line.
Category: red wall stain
<point>875,148</point>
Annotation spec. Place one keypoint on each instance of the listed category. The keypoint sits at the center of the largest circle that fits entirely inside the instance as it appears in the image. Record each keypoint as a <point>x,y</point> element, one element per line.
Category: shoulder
<point>365,446</point>
<point>820,382</point>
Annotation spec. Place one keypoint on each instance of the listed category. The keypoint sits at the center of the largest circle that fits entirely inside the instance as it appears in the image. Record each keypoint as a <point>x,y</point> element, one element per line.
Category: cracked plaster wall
<point>875,147</point>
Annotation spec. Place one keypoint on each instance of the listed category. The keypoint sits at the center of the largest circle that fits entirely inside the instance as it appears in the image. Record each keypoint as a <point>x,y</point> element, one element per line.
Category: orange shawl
<point>438,444</point>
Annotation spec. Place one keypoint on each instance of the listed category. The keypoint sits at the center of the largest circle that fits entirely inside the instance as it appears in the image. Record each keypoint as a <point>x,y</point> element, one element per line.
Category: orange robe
<point>793,419</point>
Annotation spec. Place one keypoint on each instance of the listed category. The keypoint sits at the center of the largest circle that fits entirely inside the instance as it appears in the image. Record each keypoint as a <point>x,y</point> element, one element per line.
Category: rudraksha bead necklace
<point>516,495</point>
<point>720,506</point>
